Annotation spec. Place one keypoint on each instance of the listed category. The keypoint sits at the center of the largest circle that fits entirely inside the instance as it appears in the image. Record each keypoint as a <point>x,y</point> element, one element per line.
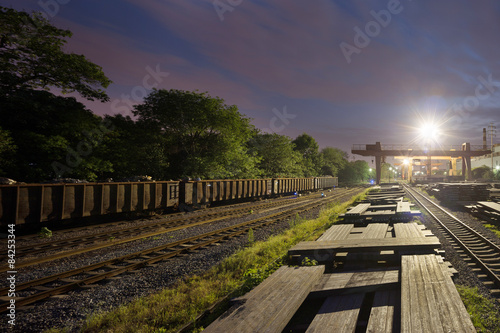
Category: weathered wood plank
<point>403,207</point>
<point>430,301</point>
<point>382,312</point>
<point>323,250</point>
<point>271,305</point>
<point>337,314</point>
<point>407,230</point>
<point>337,231</point>
<point>374,230</point>
<point>358,209</point>
<point>355,282</point>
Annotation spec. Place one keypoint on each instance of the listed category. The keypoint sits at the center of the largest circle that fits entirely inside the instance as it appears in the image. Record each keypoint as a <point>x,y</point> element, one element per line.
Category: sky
<point>344,72</point>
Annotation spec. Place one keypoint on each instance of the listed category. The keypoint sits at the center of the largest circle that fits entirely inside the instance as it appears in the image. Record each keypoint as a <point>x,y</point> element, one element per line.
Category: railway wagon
<point>32,203</point>
<point>210,191</point>
<point>325,182</point>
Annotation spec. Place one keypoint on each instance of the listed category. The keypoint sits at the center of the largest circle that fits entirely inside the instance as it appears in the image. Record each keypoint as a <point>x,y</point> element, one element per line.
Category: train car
<point>34,203</point>
<point>204,192</point>
<point>321,183</point>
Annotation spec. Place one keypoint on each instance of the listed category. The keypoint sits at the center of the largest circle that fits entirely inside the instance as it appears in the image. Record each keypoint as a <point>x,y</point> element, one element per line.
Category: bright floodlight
<point>429,131</point>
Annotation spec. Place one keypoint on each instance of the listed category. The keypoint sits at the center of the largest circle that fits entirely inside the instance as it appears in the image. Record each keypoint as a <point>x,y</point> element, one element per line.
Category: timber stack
<point>374,277</point>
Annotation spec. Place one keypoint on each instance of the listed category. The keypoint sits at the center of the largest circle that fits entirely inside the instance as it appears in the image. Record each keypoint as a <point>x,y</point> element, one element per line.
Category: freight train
<point>34,203</point>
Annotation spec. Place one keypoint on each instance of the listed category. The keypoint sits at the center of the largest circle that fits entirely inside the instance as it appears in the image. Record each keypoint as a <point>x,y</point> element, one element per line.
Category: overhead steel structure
<point>413,152</point>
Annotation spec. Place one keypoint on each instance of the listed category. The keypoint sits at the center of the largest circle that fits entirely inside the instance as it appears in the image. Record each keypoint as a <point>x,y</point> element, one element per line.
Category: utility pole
<point>492,131</point>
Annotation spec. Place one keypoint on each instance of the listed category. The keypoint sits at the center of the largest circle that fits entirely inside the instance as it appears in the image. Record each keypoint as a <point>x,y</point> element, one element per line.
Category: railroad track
<point>481,254</point>
<point>36,290</point>
<point>124,235</point>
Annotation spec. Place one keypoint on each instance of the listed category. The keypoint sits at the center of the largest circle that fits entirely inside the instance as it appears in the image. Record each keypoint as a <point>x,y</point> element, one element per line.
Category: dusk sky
<point>345,72</point>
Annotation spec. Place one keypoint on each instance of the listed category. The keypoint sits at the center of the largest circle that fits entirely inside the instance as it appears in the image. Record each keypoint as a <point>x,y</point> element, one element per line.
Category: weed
<point>482,311</point>
<point>493,228</point>
<point>45,233</point>
<point>309,262</point>
<point>251,238</point>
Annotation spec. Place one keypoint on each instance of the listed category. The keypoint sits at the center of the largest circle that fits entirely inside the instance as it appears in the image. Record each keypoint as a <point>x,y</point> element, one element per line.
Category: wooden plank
<point>322,248</point>
<point>337,314</point>
<point>357,210</point>
<point>493,206</point>
<point>429,300</point>
<point>374,230</point>
<point>403,207</point>
<point>407,230</point>
<point>355,282</point>
<point>382,312</point>
<point>271,305</point>
<point>337,231</point>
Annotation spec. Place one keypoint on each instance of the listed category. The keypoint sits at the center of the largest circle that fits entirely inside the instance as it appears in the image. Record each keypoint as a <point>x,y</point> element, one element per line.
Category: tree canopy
<point>32,57</point>
<point>307,146</point>
<point>277,155</point>
<point>205,137</point>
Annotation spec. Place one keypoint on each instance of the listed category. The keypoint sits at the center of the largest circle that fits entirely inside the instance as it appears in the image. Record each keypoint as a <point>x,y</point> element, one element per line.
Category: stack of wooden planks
<point>486,210</point>
<point>377,277</point>
<point>363,213</point>
<point>461,191</point>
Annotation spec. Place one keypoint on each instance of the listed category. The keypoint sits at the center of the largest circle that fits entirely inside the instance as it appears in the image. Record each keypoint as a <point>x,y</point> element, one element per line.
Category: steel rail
<point>170,225</point>
<point>475,257</point>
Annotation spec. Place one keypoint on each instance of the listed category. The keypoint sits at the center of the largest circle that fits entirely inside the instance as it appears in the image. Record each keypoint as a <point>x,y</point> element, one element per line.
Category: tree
<point>307,146</point>
<point>7,150</point>
<point>482,172</point>
<point>277,156</point>
<point>333,160</point>
<point>31,57</point>
<point>204,137</point>
<point>134,149</point>
<point>55,137</point>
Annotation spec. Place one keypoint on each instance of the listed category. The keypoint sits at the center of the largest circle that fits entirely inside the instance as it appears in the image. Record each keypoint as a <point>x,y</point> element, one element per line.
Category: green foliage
<point>251,237</point>
<point>205,137</point>
<point>55,136</point>
<point>45,233</point>
<point>482,172</point>
<point>483,312</point>
<point>333,160</point>
<point>7,150</point>
<point>493,228</point>
<point>311,158</point>
<point>277,156</point>
<point>309,262</point>
<point>134,148</point>
<point>32,56</point>
<point>254,276</point>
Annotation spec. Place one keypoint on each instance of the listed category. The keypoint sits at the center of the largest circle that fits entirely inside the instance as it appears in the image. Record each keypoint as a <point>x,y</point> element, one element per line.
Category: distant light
<point>497,167</point>
<point>429,131</point>
<point>406,162</point>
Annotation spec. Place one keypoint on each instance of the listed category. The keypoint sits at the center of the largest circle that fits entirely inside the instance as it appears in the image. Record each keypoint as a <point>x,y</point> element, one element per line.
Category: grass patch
<point>493,228</point>
<point>484,315</point>
<point>172,308</point>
